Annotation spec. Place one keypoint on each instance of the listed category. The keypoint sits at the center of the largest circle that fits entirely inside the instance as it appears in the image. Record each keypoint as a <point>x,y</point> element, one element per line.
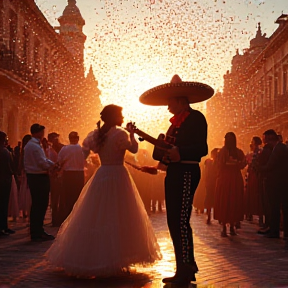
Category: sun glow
<point>136,45</point>
<point>151,119</point>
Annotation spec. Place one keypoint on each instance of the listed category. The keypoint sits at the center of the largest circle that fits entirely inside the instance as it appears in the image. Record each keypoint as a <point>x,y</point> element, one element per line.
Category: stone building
<point>255,94</point>
<point>42,76</point>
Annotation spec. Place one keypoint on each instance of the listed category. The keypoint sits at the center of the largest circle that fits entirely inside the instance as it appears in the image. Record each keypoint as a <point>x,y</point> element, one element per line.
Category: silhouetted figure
<point>108,228</point>
<point>71,159</point>
<point>252,191</point>
<point>16,160</point>
<point>277,181</point>
<point>210,177</point>
<point>37,167</point>
<point>230,186</point>
<point>56,183</point>
<point>6,173</point>
<point>262,160</point>
<point>24,191</point>
<point>188,138</point>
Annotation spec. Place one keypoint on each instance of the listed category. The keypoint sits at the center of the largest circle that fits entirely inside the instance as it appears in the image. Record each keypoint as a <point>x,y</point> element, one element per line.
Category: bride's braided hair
<point>109,115</point>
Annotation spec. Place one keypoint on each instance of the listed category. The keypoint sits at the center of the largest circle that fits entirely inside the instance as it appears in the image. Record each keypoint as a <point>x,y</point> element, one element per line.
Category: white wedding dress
<point>108,228</point>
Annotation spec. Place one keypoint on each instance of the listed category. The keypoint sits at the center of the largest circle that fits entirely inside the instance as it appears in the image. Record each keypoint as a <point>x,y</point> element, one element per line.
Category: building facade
<point>255,94</point>
<point>42,78</point>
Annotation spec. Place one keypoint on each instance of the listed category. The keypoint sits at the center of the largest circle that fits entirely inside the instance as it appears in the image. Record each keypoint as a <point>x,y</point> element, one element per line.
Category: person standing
<point>16,160</point>
<point>262,160</point>
<point>188,138</point>
<point>24,192</point>
<point>37,168</point>
<point>210,178</point>
<point>53,138</point>
<point>71,159</point>
<point>276,184</point>
<point>6,173</point>
<point>108,229</point>
<point>229,193</point>
<point>56,183</point>
<point>252,200</point>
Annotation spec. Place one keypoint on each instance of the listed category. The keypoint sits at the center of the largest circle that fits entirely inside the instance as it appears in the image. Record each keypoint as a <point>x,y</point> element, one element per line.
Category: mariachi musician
<point>187,136</point>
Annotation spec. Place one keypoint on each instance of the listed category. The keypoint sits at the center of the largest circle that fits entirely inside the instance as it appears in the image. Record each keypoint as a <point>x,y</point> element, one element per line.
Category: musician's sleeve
<point>197,147</point>
<point>125,143</point>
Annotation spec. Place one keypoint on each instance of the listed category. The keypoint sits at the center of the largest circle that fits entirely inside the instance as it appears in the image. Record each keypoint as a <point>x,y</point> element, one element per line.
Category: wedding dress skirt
<point>108,229</point>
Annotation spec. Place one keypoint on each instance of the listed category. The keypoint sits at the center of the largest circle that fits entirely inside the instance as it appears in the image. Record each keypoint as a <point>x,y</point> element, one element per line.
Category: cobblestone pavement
<point>245,260</point>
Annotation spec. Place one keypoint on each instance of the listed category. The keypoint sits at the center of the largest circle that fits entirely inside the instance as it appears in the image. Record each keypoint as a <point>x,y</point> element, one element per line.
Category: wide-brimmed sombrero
<point>194,91</point>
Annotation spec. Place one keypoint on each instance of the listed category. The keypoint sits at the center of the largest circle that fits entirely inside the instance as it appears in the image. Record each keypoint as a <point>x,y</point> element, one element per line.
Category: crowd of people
<point>108,229</point>
<point>66,179</point>
<point>239,187</point>
<point>233,195</point>
<point>42,164</point>
<point>103,213</point>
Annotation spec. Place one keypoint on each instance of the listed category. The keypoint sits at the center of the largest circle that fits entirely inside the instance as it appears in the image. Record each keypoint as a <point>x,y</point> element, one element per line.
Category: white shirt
<point>51,154</point>
<point>71,157</point>
<point>35,161</point>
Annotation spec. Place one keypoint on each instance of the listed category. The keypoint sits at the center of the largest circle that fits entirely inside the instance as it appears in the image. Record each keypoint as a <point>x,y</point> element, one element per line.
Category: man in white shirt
<point>37,166</point>
<point>72,160</point>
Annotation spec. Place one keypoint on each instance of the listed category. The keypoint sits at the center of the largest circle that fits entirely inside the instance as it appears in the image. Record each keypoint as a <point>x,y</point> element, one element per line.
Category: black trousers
<point>39,185</point>
<point>57,206</point>
<point>180,184</point>
<point>278,199</point>
<point>5,188</point>
<point>265,201</point>
<point>73,182</point>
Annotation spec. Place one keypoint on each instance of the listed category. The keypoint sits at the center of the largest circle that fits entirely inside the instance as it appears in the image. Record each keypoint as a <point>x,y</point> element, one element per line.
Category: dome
<point>260,40</point>
<point>72,14</point>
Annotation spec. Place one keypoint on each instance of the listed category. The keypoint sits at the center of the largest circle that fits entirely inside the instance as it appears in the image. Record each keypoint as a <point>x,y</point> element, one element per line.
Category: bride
<point>108,228</point>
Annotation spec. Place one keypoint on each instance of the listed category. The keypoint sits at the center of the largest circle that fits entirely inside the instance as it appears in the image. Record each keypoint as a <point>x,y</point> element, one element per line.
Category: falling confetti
<point>135,45</point>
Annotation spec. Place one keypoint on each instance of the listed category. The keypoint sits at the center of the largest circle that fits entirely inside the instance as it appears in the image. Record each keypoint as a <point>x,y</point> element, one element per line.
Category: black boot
<point>184,275</point>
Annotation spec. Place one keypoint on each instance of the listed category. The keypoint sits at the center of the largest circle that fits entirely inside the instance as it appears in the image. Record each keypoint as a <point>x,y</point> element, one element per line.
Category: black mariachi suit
<point>181,182</point>
<point>276,185</point>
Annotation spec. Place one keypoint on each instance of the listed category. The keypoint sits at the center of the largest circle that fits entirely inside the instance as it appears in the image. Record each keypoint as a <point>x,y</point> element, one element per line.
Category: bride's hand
<point>149,169</point>
<point>129,128</point>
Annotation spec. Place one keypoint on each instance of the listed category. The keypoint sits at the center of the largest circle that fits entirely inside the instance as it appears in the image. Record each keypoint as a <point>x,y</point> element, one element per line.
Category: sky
<point>135,45</point>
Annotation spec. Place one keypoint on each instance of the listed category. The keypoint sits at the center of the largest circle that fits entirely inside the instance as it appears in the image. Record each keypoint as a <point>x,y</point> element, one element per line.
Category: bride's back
<point>112,151</point>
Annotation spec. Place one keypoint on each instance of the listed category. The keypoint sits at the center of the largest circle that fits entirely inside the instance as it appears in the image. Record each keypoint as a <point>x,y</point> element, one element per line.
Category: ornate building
<point>42,72</point>
<point>255,94</point>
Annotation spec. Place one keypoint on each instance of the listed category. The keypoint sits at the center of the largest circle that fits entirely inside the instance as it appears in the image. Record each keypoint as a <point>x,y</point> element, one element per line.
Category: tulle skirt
<point>24,194</point>
<point>107,230</point>
<point>13,208</point>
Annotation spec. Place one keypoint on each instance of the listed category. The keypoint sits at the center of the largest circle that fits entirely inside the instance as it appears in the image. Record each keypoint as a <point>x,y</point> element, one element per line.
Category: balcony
<point>15,73</point>
<point>12,66</point>
<point>281,103</point>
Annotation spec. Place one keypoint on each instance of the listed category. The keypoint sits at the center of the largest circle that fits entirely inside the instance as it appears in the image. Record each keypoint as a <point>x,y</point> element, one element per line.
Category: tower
<point>71,25</point>
<point>258,43</point>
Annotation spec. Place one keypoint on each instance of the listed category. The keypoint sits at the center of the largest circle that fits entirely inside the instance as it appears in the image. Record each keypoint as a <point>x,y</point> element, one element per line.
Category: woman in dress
<point>24,191</point>
<point>13,209</point>
<point>230,185</point>
<point>248,158</point>
<point>108,229</point>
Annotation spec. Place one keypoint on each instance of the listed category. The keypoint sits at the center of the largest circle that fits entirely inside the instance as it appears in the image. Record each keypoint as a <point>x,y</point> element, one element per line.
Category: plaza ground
<point>245,260</point>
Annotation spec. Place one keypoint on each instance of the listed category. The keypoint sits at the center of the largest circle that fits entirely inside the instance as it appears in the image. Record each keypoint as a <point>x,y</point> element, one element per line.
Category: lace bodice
<point>112,151</point>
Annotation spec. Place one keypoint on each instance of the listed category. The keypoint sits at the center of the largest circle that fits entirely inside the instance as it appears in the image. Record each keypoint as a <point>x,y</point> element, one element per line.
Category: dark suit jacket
<point>191,137</point>
<point>6,164</point>
<point>264,155</point>
<point>277,165</point>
